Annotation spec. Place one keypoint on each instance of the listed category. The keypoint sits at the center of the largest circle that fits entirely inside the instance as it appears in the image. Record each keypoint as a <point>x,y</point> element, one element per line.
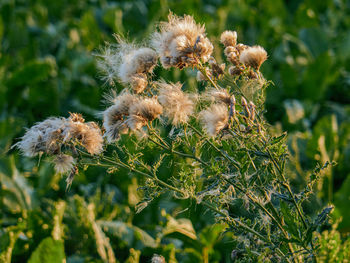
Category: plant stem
<point>167,147</point>
<point>222,153</point>
<point>287,186</point>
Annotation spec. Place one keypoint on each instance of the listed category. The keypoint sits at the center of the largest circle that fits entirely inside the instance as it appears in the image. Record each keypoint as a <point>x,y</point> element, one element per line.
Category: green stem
<point>222,153</point>
<point>287,186</point>
<point>166,147</point>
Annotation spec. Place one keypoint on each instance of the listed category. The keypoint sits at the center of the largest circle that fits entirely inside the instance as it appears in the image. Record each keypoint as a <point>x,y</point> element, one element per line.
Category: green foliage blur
<point>47,68</point>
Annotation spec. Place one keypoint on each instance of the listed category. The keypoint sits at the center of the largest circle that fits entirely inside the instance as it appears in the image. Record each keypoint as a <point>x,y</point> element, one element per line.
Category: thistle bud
<point>245,105</point>
<point>252,110</point>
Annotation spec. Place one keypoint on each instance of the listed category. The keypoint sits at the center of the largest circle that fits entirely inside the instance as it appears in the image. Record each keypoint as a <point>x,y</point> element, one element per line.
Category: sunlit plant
<point>216,140</point>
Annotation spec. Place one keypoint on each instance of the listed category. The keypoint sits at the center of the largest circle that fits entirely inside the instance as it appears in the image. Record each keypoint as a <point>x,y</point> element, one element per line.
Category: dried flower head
<point>214,119</point>
<point>218,70</point>
<point>139,82</point>
<point>87,134</point>
<point>63,163</point>
<point>135,61</point>
<point>177,104</point>
<point>221,95</point>
<point>142,111</point>
<point>229,38</point>
<point>253,56</point>
<point>128,63</point>
<point>232,53</point>
<point>235,70</point>
<point>44,137</point>
<point>114,117</point>
<point>181,42</point>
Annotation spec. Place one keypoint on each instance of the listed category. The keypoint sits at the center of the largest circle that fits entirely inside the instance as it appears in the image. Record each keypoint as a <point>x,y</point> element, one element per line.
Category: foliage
<point>46,69</point>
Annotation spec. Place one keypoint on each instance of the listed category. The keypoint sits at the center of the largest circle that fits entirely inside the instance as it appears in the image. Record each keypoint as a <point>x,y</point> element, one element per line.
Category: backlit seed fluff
<point>114,117</point>
<point>50,135</point>
<point>221,95</point>
<point>142,111</point>
<point>253,56</point>
<point>180,42</point>
<point>63,163</point>
<point>176,104</point>
<point>43,137</point>
<point>87,134</point>
<point>229,38</point>
<point>135,61</point>
<point>214,119</point>
<point>138,82</point>
<point>125,61</point>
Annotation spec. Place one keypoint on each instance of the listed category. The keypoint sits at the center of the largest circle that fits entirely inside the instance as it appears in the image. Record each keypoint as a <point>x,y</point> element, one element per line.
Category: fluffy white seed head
<point>114,117</point>
<point>124,61</point>
<point>43,137</point>
<point>138,82</point>
<point>142,111</point>
<point>87,134</point>
<point>51,134</point>
<point>221,95</point>
<point>180,40</point>
<point>229,38</point>
<point>136,61</point>
<point>253,56</point>
<point>177,105</point>
<point>63,163</point>
<point>214,119</point>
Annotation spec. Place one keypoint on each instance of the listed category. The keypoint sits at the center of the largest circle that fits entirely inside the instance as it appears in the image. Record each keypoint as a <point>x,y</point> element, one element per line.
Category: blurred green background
<point>47,69</point>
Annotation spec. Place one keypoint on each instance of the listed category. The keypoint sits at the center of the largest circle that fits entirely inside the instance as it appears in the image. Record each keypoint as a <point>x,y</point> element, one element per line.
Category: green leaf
<point>341,201</point>
<point>182,225</point>
<point>210,234</point>
<point>32,72</point>
<point>315,39</point>
<point>130,234</point>
<point>7,243</point>
<point>278,139</point>
<point>289,220</point>
<point>49,250</point>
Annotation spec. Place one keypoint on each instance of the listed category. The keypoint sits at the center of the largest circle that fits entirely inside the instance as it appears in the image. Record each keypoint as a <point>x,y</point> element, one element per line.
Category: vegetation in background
<point>46,69</point>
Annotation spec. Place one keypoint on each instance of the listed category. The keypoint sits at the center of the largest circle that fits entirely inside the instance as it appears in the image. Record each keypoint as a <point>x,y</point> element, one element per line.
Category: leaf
<point>317,77</point>
<point>341,201</point>
<point>7,243</point>
<point>128,233</point>
<point>315,39</point>
<point>104,247</point>
<point>134,256</point>
<point>289,219</point>
<point>210,234</point>
<point>182,225</point>
<point>32,72</point>
<point>57,231</point>
<point>277,139</point>
<point>18,193</point>
<point>49,250</point>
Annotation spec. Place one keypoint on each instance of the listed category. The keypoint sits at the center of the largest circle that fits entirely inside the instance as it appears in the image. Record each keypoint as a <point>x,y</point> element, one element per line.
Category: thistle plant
<point>217,140</point>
